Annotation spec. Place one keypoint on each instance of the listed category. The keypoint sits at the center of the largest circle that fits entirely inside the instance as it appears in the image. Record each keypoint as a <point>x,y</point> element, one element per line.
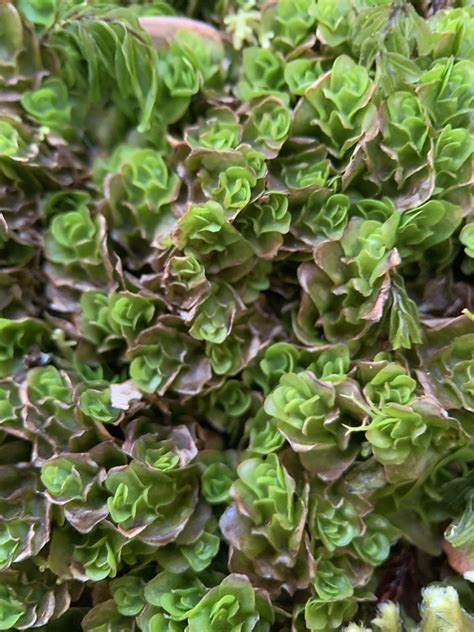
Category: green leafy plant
<point>18,338</point>
<point>266,518</point>
<point>339,105</point>
<point>236,315</point>
<point>138,498</point>
<point>49,105</point>
<point>232,604</point>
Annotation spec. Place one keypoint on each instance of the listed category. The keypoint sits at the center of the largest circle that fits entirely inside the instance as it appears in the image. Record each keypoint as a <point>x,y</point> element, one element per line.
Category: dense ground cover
<point>236,316</point>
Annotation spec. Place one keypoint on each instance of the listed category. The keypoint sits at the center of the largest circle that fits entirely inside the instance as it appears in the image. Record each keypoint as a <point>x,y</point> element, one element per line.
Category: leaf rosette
<point>25,515</point>
<point>262,74</point>
<point>445,91</point>
<point>98,554</point>
<point>268,126</point>
<point>338,108</point>
<point>406,438</point>
<point>50,412</point>
<point>334,21</point>
<point>171,597</point>
<point>304,408</point>
<point>265,525</point>
<point>151,505</point>
<point>73,237</point>
<point>466,237</point>
<point>127,592</point>
<point>227,406</point>
<point>220,130</point>
<point>288,23</point>
<point>217,480</point>
<point>264,223</point>
<point>140,189</point>
<point>324,216</point>
<point>301,73</point>
<point>29,600</point>
<point>206,233</point>
<point>274,361</point>
<point>264,436</point>
<point>11,420</point>
<point>328,615</point>
<point>17,338</point>
<point>214,316</point>
<point>373,547</point>
<point>49,105</point>
<point>453,152</point>
<point>448,370</point>
<point>159,447</point>
<point>332,581</point>
<point>164,357</point>
<point>184,280</point>
<point>346,288</point>
<point>336,523</point>
<point>453,33</point>
<point>234,605</point>
<point>387,383</point>
<point>403,149</point>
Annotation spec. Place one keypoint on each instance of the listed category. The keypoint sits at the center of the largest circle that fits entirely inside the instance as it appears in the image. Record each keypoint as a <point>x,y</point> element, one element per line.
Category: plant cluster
<point>236,316</point>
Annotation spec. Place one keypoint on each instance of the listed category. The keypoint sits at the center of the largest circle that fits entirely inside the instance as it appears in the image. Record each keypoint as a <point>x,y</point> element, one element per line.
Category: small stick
<point>162,28</point>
